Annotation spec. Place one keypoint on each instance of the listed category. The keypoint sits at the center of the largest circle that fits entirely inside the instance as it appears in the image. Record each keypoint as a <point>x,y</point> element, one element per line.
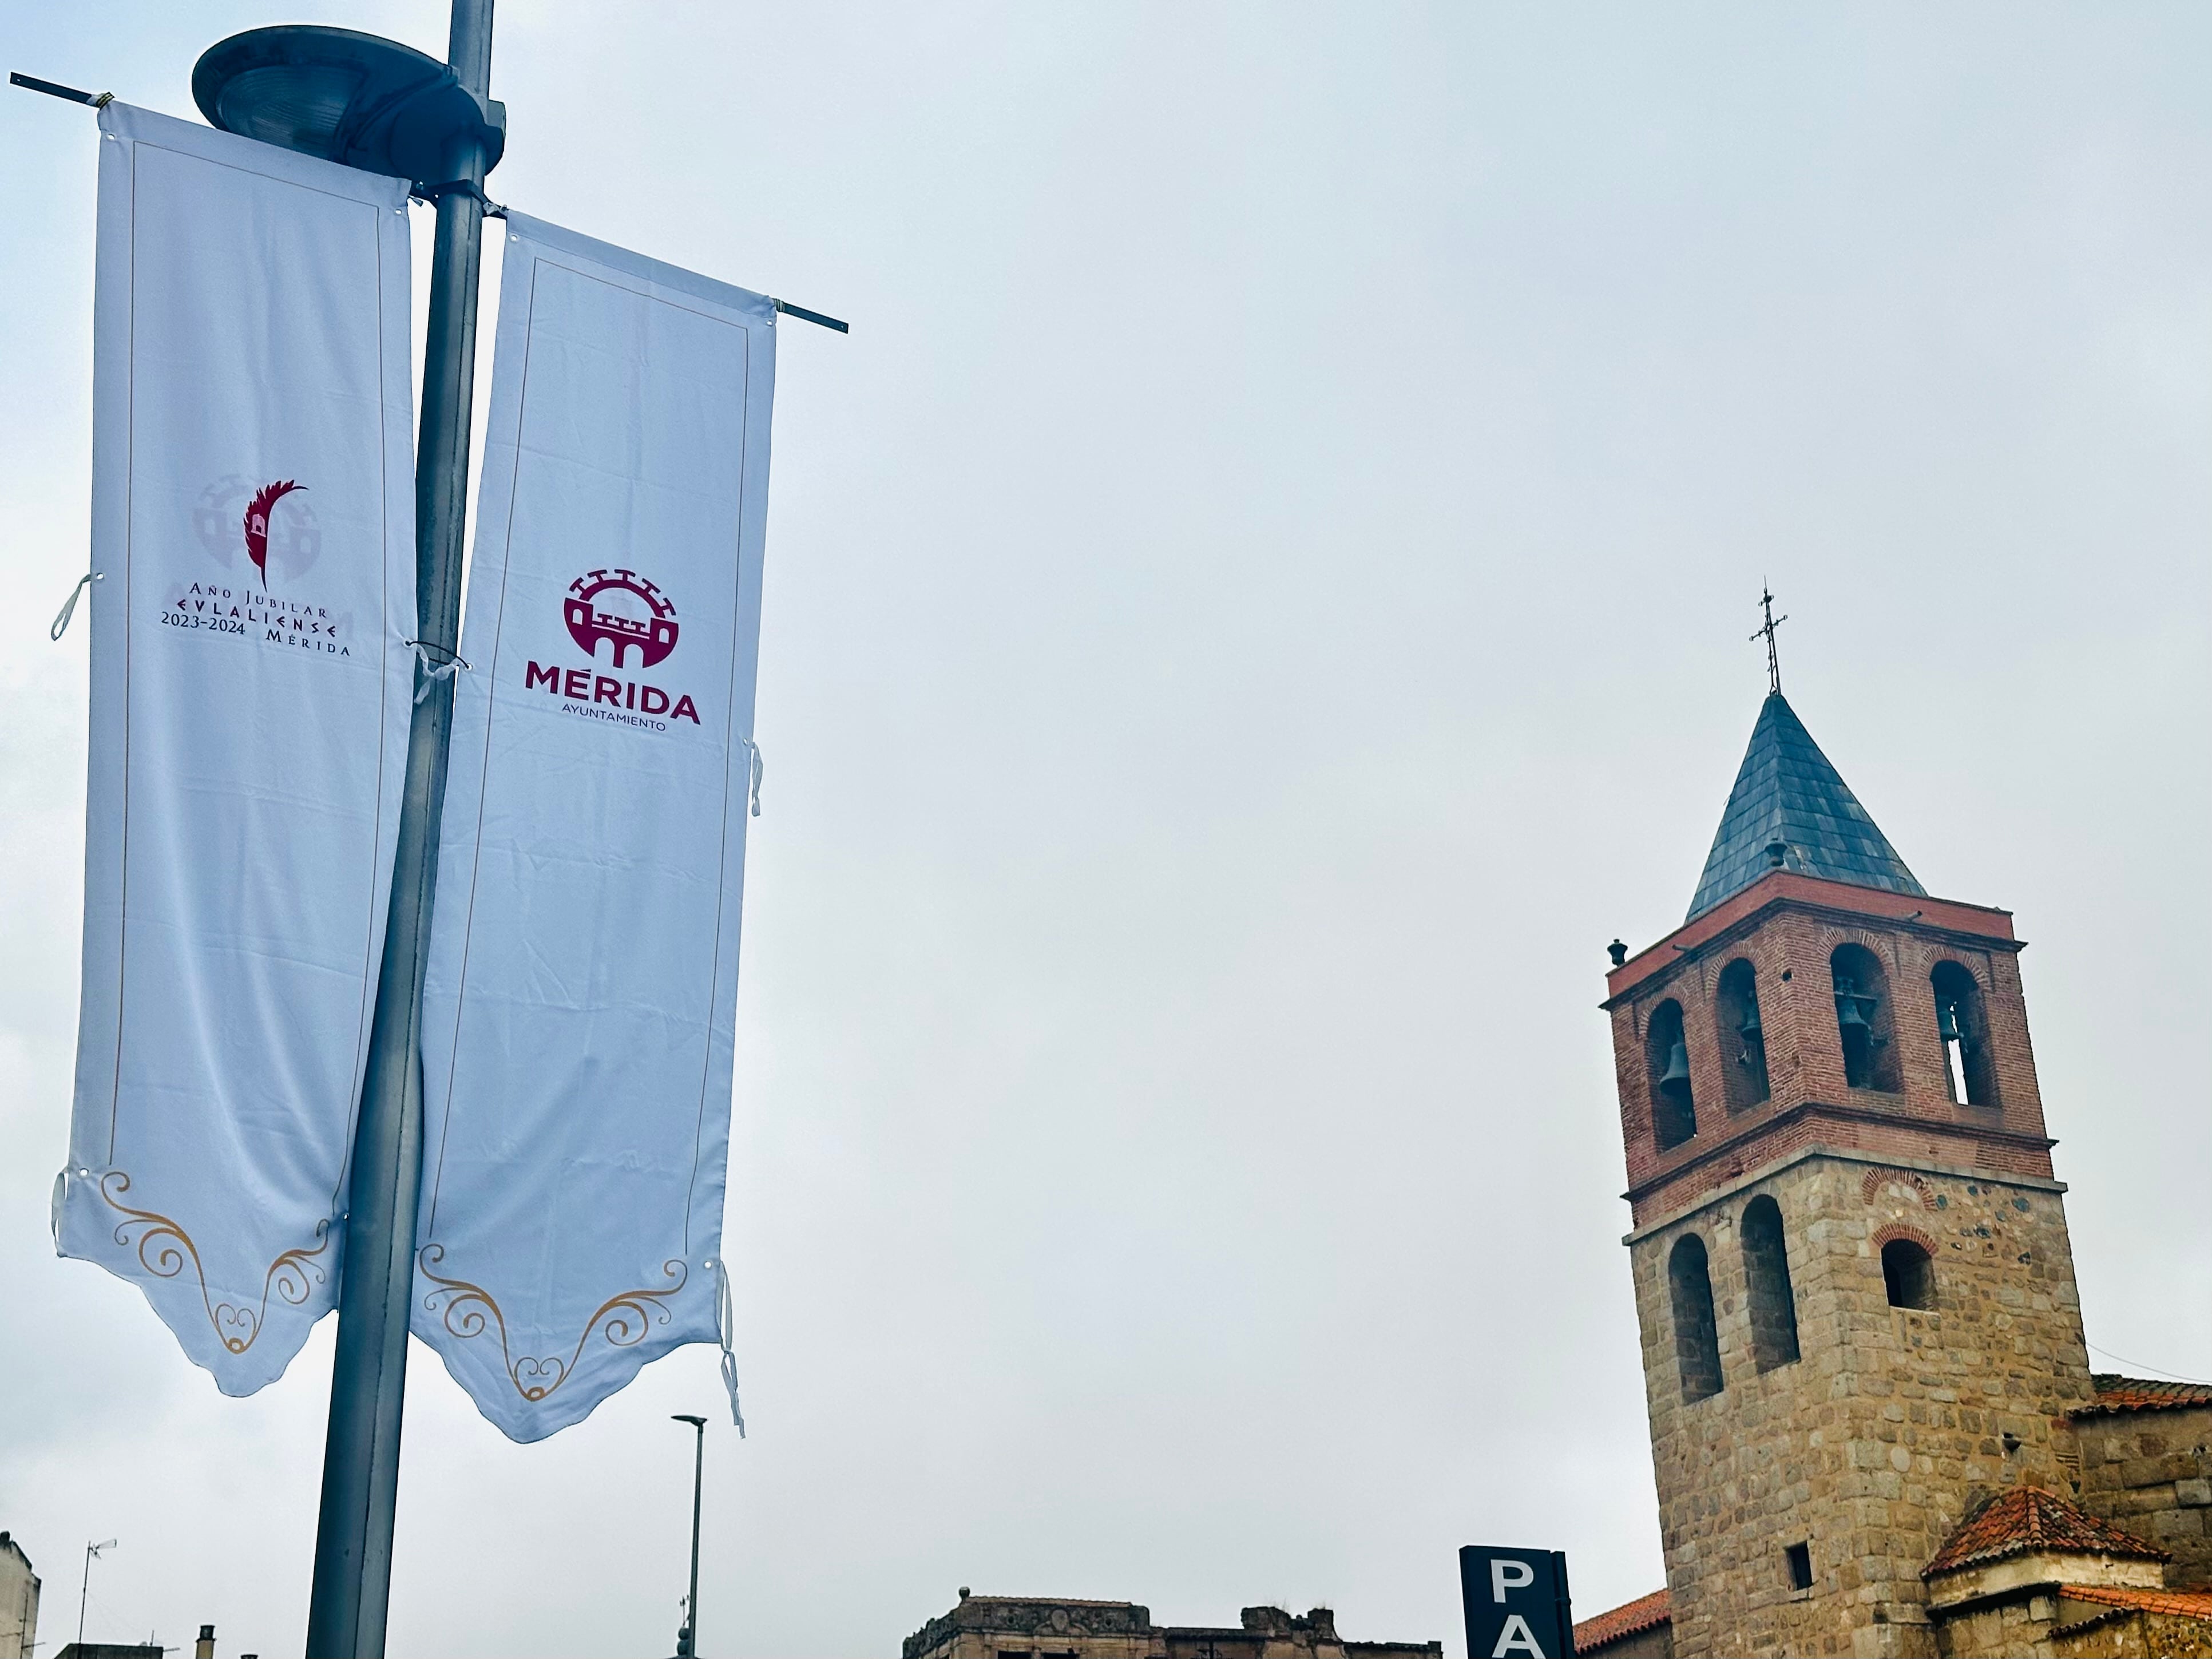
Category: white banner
<point>253,530</point>
<point>579,1012</point>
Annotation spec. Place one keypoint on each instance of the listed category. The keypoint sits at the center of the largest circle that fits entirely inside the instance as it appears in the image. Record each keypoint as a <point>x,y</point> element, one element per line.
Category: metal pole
<point>92,1550</point>
<point>347,1607</point>
<point>687,1639</point>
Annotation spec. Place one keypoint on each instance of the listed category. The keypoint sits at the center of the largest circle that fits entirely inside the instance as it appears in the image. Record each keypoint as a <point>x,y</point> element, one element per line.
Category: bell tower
<point>1852,1274</point>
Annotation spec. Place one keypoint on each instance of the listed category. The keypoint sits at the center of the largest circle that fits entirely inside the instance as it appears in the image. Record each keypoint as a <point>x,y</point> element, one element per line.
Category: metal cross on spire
<point>1773,621</point>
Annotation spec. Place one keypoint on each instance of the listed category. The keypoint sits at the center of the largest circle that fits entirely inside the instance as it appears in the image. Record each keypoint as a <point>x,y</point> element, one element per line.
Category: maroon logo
<point>257,524</point>
<point>596,610</point>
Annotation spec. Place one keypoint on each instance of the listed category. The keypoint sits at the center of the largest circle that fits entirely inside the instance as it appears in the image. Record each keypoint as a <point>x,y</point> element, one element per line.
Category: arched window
<point>1766,1274</point>
<point>1909,1274</point>
<point>1965,1032</point>
<point>1674,1113</point>
<point>1862,1019</point>
<point>1697,1339</point>
<point>1743,1038</point>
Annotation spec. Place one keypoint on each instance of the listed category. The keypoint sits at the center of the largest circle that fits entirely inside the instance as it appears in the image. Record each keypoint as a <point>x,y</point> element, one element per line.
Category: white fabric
<point>249,703</point>
<point>582,996</point>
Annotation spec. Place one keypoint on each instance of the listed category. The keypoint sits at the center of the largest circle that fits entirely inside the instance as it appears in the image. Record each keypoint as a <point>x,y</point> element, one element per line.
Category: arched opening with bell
<point>1673,1111</point>
<point>1962,1027</point>
<point>1862,1019</point>
<point>1743,1038</point>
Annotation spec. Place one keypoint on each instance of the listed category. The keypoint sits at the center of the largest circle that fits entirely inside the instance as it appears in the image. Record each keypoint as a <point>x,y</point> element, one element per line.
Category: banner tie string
<point>752,749</point>
<point>725,1325</point>
<point>433,670</point>
<point>68,607</point>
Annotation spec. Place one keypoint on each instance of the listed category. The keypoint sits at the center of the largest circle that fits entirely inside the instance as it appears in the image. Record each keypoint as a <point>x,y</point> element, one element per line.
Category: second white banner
<point>580,1002</point>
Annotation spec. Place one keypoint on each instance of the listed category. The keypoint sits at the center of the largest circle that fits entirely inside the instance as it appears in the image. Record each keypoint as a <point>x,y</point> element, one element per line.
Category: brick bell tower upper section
<point>1817,996</point>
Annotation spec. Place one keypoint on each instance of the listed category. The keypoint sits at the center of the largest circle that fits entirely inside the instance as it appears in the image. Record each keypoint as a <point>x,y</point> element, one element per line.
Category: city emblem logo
<point>651,635</point>
<point>623,610</point>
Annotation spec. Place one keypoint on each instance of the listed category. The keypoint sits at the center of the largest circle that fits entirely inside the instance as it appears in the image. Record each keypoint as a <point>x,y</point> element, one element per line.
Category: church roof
<point>1642,1614</point>
<point>2027,1520</point>
<point>2188,1604</point>
<point>1787,792</point>
<point>2117,1394</point>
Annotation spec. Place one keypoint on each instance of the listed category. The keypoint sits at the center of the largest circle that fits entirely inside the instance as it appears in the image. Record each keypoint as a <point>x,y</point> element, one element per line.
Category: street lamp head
<point>696,1422</point>
<point>355,98</point>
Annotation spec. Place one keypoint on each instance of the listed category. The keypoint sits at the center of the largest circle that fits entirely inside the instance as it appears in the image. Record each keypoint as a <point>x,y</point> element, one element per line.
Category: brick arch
<point>1898,1229</point>
<point>1965,962</point>
<point>1884,946</point>
<point>1875,1179</point>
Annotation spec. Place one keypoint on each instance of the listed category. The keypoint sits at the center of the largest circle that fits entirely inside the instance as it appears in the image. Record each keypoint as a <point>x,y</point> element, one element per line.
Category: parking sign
<point>1516,1603</point>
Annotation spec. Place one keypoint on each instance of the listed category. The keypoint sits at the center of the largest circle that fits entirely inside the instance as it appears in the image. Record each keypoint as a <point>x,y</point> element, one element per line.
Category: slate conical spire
<point>1787,792</point>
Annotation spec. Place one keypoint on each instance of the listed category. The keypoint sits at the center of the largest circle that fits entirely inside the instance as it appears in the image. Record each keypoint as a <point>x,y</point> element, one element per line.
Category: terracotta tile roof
<point>2026,1519</point>
<point>1626,1619</point>
<point>2115,1393</point>
<point>2194,1604</point>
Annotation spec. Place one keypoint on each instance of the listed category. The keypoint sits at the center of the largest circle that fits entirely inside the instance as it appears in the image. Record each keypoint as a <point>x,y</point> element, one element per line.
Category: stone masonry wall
<point>2151,1472</point>
<point>1874,1444</point>
<point>2019,1628</point>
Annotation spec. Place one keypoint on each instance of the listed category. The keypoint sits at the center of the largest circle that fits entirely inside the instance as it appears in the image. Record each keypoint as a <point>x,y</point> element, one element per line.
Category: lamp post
<point>372,103</point>
<point>687,1635</point>
<point>84,1591</point>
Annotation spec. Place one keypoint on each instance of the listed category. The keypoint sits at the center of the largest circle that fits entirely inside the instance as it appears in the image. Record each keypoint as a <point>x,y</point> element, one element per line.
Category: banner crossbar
<point>806,316</point>
<point>55,90</point>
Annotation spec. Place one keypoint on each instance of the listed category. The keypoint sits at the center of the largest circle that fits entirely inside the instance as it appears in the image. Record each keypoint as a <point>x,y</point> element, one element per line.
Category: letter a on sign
<point>1516,1603</point>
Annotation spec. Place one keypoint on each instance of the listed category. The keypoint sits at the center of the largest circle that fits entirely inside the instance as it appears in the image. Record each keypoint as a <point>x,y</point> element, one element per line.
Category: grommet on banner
<point>752,792</point>
<point>69,606</point>
<point>432,670</point>
<point>725,1326</point>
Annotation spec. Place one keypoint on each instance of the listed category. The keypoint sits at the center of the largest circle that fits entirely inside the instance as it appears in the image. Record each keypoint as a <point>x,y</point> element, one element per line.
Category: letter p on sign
<point>1516,1603</point>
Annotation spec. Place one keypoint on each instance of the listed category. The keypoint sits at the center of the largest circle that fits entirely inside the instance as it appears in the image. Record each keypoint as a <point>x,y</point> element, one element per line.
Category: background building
<point>19,1600</point>
<point>1031,1627</point>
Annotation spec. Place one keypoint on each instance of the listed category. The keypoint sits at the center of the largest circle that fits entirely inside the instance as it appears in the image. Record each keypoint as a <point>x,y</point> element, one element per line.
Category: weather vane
<point>1773,621</point>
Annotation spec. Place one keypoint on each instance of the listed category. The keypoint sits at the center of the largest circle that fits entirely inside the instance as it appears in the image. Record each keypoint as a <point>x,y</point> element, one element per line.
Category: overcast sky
<point>1258,601</point>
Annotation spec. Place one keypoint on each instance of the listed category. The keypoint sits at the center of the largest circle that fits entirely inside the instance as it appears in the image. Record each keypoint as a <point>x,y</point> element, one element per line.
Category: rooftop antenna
<point>1773,621</point>
<point>91,1554</point>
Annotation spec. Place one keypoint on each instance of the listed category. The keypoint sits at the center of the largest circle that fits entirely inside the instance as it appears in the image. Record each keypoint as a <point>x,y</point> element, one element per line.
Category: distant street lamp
<point>85,1589</point>
<point>687,1635</point>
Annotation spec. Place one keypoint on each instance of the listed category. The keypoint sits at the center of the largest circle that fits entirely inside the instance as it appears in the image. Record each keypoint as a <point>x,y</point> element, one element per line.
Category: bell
<point>1946,1023</point>
<point>1676,1077</point>
<point>1751,1031</point>
<point>1847,1013</point>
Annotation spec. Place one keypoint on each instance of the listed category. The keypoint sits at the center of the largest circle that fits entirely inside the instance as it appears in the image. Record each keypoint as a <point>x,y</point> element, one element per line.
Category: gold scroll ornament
<point>468,1309</point>
<point>164,1248</point>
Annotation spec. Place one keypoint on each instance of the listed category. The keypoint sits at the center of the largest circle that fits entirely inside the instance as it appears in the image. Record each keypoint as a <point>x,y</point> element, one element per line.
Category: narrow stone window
<point>1697,1339</point>
<point>1862,1019</point>
<point>1766,1274</point>
<point>1908,1273</point>
<point>1800,1558</point>
<point>1673,1113</point>
<point>1743,1038</point>
<point>1963,1028</point>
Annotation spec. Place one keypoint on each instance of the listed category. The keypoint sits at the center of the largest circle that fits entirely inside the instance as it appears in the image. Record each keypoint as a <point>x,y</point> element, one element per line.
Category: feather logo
<point>257,524</point>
